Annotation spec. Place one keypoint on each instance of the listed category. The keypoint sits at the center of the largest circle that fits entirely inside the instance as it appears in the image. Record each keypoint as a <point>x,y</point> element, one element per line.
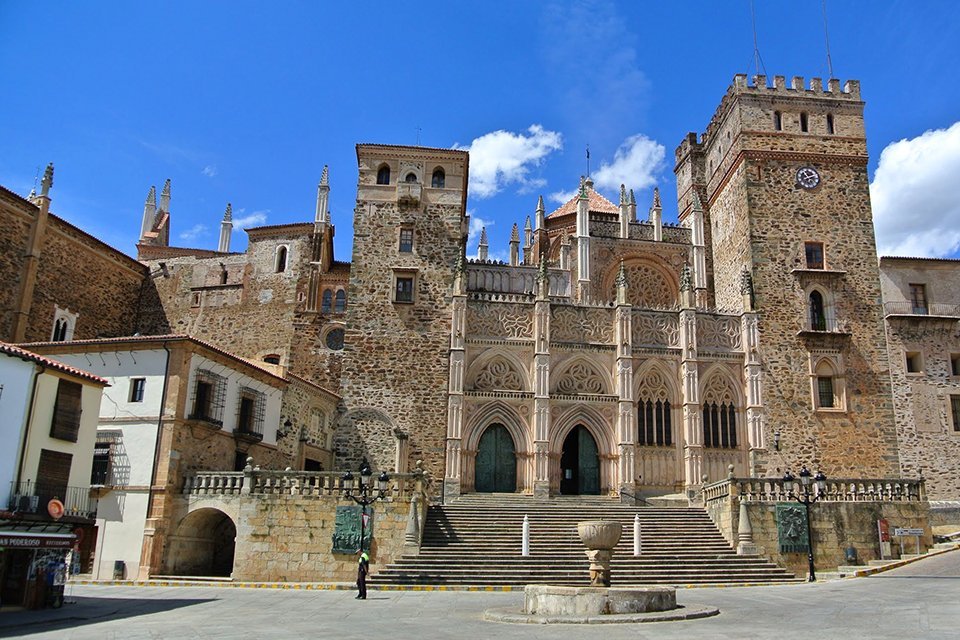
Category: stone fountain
<point>599,537</point>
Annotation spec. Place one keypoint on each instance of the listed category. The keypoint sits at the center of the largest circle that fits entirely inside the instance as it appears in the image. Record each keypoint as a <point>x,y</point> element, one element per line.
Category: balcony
<point>32,498</point>
<point>408,193</point>
<point>251,434</point>
<point>933,310</point>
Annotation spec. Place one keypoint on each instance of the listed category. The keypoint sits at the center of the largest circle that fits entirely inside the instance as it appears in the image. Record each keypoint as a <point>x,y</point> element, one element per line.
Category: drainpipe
<point>26,429</point>
<point>156,446</point>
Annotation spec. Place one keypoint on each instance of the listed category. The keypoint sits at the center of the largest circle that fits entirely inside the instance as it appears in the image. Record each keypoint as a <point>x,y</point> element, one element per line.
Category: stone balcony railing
<point>840,490</point>
<point>294,483</point>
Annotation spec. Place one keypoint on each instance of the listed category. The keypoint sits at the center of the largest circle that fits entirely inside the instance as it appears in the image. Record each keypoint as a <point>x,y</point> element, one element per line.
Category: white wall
<point>235,381</point>
<point>16,376</point>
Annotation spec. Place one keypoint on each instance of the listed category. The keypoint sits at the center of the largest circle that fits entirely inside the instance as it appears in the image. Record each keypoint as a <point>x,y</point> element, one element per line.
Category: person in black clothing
<point>363,567</point>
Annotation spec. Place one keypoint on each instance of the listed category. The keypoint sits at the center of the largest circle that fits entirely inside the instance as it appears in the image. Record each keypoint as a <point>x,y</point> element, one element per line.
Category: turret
<point>624,213</point>
<point>149,212</point>
<point>514,246</point>
<point>165,197</point>
<point>656,215</point>
<point>527,239</point>
<point>322,215</point>
<point>226,230</point>
<point>483,249</point>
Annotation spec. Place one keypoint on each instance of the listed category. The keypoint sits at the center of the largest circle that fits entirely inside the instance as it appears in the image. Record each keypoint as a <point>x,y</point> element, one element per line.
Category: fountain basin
<point>547,600</point>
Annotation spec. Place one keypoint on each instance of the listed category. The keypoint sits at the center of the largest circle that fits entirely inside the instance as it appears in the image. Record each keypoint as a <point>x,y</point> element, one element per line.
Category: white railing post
<point>525,544</point>
<point>636,534</point>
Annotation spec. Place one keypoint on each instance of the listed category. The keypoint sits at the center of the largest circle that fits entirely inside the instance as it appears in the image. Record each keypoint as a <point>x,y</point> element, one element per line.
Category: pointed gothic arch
<point>498,370</point>
<point>580,376</point>
<point>658,398</point>
<point>722,402</point>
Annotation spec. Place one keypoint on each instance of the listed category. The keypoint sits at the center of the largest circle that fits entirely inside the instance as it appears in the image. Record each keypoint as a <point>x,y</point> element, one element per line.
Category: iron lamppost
<point>807,498</point>
<point>365,494</point>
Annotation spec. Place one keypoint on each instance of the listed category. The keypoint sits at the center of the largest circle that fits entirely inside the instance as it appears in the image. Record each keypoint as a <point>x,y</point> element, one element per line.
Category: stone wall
<point>290,538</point>
<point>75,271</point>
<point>836,526</point>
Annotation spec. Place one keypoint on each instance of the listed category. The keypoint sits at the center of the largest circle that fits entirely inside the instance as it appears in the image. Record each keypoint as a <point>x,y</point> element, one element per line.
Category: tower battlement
<point>832,95</point>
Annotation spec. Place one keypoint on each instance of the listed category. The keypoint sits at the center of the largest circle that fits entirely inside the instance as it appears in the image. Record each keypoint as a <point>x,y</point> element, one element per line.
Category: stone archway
<point>496,464</point>
<point>580,463</point>
<point>203,544</point>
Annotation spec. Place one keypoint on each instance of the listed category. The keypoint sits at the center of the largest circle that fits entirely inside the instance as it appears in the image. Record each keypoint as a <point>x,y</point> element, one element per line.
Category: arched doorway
<point>496,468</point>
<point>203,545</point>
<point>579,464</point>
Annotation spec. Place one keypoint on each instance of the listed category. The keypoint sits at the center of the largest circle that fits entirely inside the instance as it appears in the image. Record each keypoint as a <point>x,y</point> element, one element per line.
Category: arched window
<point>334,339</point>
<point>327,301</point>
<point>383,175</point>
<point>818,316</point>
<point>828,386</point>
<point>273,358</point>
<point>777,121</point>
<point>341,304</point>
<point>830,123</point>
<point>64,324</point>
<point>60,330</point>
<point>803,122</point>
<point>281,259</point>
<point>719,416</point>
<point>653,412</point>
<point>439,178</point>
<point>411,177</point>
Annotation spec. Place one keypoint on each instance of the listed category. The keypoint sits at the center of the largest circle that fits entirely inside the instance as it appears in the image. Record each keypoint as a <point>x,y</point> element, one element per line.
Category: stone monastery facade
<point>612,353</point>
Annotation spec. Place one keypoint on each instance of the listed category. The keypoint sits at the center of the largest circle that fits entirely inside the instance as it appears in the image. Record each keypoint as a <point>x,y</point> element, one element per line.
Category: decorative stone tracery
<point>572,324</point>
<point>498,375</point>
<point>581,379</point>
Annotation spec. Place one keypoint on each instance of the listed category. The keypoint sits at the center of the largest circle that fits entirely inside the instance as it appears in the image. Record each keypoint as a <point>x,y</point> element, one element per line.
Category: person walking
<point>363,567</point>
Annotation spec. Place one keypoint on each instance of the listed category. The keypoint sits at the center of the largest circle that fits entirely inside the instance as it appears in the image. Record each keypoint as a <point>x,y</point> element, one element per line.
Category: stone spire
<point>541,213</point>
<point>149,212</point>
<point>527,234</point>
<point>226,230</point>
<point>514,245</point>
<point>621,283</point>
<point>633,207</point>
<point>656,215</point>
<point>483,249</point>
<point>47,181</point>
<point>323,196</point>
<point>165,197</point>
<point>624,213</point>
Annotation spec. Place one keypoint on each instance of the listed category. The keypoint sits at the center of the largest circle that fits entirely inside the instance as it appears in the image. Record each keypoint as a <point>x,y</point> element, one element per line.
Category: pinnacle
<point>515,233</point>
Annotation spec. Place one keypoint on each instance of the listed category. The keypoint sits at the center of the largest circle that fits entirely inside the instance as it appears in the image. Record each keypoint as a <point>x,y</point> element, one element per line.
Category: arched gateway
<point>496,470</point>
<point>579,463</point>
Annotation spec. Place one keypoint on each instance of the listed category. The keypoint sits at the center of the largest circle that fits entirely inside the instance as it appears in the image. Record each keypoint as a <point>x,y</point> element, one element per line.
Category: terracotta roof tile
<point>595,202</point>
<point>23,354</point>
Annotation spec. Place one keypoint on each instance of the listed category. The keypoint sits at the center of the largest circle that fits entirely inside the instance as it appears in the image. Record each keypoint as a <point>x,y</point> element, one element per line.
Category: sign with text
<point>903,531</point>
<point>35,542</point>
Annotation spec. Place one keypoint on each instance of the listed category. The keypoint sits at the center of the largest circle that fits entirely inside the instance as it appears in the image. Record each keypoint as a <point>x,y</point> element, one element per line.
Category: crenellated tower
<point>776,191</point>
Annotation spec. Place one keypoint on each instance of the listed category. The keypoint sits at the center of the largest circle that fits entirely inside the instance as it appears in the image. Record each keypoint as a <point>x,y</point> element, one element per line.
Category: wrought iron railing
<point>929,309</point>
<point>33,498</point>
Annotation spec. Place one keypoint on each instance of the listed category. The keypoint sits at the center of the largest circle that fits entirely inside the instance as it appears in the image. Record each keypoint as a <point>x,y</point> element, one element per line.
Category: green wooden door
<point>589,476</point>
<point>496,462</point>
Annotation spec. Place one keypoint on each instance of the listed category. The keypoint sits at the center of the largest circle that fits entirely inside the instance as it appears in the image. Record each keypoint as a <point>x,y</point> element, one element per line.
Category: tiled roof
<point>164,338</point>
<point>23,354</point>
<point>595,202</point>
<point>919,258</point>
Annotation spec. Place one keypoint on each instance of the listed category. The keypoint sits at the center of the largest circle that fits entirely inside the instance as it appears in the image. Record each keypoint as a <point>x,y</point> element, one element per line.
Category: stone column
<point>752,373</point>
<point>626,409</point>
<point>541,385</point>
<point>455,399</point>
<point>692,432</point>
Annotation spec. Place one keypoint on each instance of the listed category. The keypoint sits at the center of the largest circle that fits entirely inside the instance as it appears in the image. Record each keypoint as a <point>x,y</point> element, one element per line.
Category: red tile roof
<point>595,202</point>
<point>30,356</point>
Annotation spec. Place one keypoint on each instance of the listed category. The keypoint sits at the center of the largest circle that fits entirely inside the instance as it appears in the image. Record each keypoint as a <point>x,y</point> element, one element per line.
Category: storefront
<point>33,565</point>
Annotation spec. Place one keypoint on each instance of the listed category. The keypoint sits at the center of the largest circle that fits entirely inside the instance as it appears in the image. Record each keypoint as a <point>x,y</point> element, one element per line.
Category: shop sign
<point>27,541</point>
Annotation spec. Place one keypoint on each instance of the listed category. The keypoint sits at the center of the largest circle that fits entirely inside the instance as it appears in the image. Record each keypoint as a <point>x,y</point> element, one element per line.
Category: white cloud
<point>915,208</point>
<point>635,164</point>
<point>194,232</point>
<point>502,157</point>
<point>562,197</point>
<point>209,170</point>
<point>255,219</point>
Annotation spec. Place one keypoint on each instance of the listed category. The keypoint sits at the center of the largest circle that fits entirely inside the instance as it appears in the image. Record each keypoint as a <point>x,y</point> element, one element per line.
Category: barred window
<point>250,412</point>
<point>103,453</point>
<point>955,411</point>
<point>825,396</point>
<point>654,423</point>
<point>719,425</point>
<point>406,240</point>
<point>208,399</point>
<point>66,411</point>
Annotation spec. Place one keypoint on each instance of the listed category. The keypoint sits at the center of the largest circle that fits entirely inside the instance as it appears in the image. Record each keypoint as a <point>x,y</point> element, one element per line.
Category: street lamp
<point>807,498</point>
<point>364,495</point>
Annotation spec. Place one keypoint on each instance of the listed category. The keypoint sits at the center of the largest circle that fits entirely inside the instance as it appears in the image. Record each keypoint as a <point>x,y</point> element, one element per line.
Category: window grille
<point>825,395</point>
<point>250,412</point>
<point>955,410</point>
<point>406,240</point>
<point>209,393</point>
<point>818,319</point>
<point>719,425</point>
<point>654,423</point>
<point>404,292</point>
<point>103,452</point>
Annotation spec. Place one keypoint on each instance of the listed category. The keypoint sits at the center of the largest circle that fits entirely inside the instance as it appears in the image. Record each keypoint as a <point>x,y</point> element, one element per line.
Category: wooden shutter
<point>53,475</point>
<point>66,411</point>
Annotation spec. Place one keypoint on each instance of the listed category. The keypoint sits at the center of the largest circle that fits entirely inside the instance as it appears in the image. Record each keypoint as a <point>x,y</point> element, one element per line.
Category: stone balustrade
<point>840,490</point>
<point>295,483</point>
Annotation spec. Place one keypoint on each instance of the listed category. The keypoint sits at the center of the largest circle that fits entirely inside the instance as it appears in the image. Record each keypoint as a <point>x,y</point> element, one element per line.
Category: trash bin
<point>119,569</point>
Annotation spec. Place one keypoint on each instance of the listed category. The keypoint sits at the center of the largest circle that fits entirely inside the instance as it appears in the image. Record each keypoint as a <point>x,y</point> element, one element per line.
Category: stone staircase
<point>476,541</point>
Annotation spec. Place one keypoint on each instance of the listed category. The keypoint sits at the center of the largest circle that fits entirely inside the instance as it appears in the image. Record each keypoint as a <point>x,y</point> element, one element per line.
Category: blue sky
<point>245,102</point>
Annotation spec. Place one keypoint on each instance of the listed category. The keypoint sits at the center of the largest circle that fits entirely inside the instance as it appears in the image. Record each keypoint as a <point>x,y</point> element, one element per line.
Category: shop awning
<point>36,540</point>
